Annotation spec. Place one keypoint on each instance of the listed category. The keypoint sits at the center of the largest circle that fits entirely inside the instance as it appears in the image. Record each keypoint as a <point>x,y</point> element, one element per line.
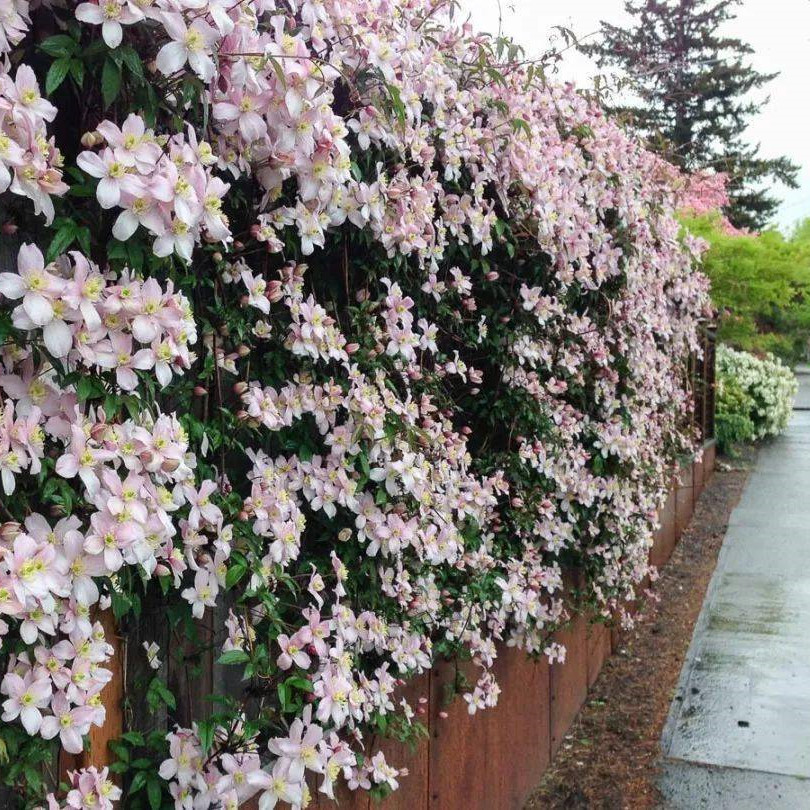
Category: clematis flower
<point>26,698</point>
<point>115,176</point>
<point>36,286</point>
<point>68,722</point>
<point>110,15</point>
<point>23,91</point>
<point>191,44</point>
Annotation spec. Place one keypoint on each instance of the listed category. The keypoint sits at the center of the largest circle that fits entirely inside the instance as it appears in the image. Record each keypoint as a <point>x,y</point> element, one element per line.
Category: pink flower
<point>110,15</point>
<point>83,459</point>
<point>192,44</point>
<point>27,696</point>
<point>292,652</point>
<point>24,92</point>
<point>114,176</point>
<point>121,358</point>
<point>203,594</point>
<point>35,285</point>
<point>69,723</point>
<point>202,510</point>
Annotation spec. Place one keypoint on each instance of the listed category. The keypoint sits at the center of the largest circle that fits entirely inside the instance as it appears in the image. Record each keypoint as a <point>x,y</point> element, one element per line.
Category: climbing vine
<point>335,318</point>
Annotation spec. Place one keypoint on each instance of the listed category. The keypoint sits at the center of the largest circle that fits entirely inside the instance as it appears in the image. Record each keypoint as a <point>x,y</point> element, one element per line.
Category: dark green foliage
<point>693,87</point>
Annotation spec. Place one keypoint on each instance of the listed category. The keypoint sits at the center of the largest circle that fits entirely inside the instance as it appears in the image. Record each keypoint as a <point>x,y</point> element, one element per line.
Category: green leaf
<point>138,781</point>
<point>83,237</point>
<point>234,657</point>
<point>206,731</point>
<point>110,82</point>
<point>91,388</point>
<point>300,683</point>
<point>120,603</point>
<point>56,74</point>
<point>77,71</point>
<point>60,45</point>
<point>235,573</point>
<point>62,239</point>
<point>133,62</point>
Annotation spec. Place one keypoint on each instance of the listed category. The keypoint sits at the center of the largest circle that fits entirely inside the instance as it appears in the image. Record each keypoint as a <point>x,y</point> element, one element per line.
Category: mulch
<point>608,760</point>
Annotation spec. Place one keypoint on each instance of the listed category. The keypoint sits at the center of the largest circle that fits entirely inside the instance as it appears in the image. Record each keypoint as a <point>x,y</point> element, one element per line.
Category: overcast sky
<point>779,31</point>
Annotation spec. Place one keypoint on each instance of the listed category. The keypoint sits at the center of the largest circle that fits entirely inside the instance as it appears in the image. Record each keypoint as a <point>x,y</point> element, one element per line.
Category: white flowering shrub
<point>333,317</point>
<point>754,396</point>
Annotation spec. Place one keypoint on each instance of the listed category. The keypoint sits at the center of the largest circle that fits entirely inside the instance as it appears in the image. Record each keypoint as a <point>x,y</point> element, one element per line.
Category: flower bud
<point>240,387</point>
<point>199,391</point>
<point>492,275</point>
<point>217,257</point>
<point>274,292</point>
<point>8,228</point>
<point>351,348</point>
<point>243,351</point>
<point>8,531</point>
<point>243,515</point>
<point>88,140</point>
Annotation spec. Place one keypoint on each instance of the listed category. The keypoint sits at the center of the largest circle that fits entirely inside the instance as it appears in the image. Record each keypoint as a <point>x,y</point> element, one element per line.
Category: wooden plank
<point>112,698</point>
<point>569,681</point>
<point>599,648</point>
<point>474,761</point>
<point>709,460</point>
<point>457,762</point>
<point>684,499</point>
<point>151,626</point>
<point>523,714</point>
<point>413,788</point>
<point>191,672</point>
<point>697,476</point>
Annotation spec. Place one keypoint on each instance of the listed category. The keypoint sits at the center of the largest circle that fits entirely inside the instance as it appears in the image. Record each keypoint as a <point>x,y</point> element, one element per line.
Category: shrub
<point>366,335</point>
<point>754,397</point>
<point>760,285</point>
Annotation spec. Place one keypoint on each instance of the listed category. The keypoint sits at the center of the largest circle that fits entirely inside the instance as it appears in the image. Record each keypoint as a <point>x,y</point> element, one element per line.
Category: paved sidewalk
<point>738,733</point>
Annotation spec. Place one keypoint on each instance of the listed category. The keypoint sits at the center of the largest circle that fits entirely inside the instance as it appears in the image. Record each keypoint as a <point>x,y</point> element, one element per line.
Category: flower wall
<point>337,315</point>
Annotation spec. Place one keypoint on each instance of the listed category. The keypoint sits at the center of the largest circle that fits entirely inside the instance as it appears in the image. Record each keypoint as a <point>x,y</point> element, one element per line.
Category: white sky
<point>779,31</point>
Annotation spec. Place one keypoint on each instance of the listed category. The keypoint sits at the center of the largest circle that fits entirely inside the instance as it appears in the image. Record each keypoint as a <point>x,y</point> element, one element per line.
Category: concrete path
<point>738,733</point>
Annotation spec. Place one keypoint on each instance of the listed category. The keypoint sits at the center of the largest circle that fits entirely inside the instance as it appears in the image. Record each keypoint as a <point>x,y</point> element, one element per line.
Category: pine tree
<point>694,89</point>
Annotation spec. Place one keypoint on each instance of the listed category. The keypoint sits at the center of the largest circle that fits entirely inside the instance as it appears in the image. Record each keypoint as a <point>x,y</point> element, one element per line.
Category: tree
<point>693,87</point>
<point>760,285</point>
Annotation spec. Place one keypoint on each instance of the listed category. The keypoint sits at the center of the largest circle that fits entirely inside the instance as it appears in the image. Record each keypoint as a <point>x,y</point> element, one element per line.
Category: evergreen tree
<point>694,90</point>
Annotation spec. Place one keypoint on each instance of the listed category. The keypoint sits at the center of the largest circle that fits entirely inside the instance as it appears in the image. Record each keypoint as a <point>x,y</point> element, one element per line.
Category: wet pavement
<point>738,733</point>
